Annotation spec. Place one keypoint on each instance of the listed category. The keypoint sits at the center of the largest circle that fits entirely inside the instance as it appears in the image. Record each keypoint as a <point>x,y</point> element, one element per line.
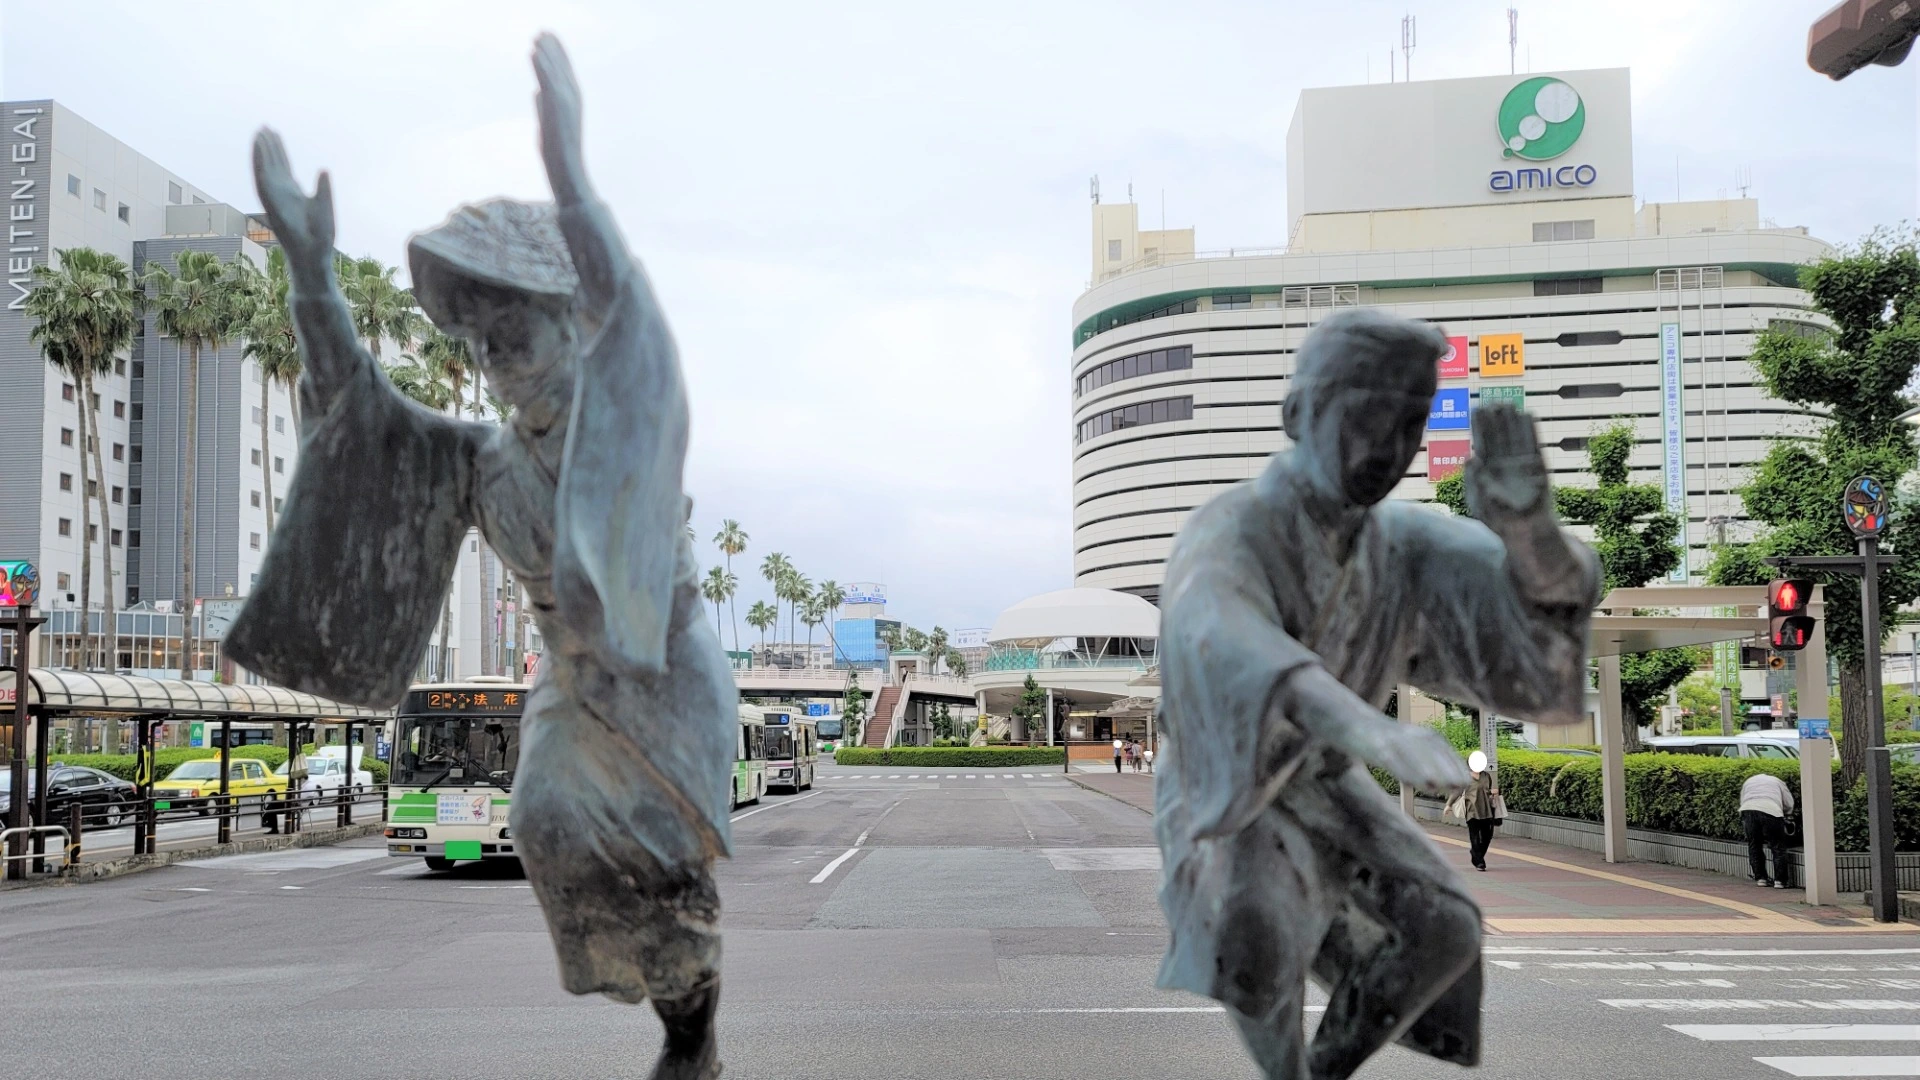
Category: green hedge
<point>167,759</point>
<point>1689,793</point>
<point>990,757</point>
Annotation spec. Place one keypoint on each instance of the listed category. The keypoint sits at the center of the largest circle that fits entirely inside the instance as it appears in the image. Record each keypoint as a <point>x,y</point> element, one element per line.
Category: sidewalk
<point>1537,888</point>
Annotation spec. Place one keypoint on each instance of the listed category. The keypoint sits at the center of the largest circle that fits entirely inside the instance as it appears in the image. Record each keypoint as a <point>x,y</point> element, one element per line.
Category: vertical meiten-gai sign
<point>24,223</point>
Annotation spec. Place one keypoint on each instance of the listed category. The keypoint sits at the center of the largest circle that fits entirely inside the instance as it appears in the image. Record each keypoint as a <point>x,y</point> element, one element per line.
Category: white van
<point>1778,745</point>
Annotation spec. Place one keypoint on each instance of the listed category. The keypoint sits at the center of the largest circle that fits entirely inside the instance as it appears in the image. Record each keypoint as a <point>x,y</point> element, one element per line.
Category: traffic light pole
<point>1880,835</point>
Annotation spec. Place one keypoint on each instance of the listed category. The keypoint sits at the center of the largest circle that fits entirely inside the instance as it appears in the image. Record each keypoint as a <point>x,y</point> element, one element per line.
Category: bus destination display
<point>509,702</point>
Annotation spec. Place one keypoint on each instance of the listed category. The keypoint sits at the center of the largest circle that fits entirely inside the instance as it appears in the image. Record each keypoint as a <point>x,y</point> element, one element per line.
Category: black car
<point>107,800</point>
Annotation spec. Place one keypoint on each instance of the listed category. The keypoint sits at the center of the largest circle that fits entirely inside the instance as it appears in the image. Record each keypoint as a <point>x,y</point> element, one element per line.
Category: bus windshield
<point>829,729</point>
<point>459,750</point>
<point>779,743</point>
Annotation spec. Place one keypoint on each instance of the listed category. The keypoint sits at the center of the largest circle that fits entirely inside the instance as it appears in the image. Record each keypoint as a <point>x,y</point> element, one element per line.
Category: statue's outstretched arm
<point>331,350</point>
<point>600,257</point>
<point>1507,488</point>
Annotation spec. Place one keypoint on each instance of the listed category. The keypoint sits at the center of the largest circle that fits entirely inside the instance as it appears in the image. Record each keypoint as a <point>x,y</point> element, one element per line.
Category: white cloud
<point>867,220</point>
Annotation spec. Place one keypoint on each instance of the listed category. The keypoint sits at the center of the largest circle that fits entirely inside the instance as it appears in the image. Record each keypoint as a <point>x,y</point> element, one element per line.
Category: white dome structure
<point>1075,613</point>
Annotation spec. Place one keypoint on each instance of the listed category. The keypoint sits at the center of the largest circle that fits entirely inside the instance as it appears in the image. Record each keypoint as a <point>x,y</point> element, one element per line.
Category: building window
<point>133,498</point>
<point>133,538</point>
<point>119,367</point>
<point>99,199</point>
<point>1795,328</point>
<point>173,192</point>
<point>119,451</point>
<point>279,465</point>
<point>1113,251</point>
<point>198,201</point>
<point>63,581</point>
<point>1145,412</point>
<point>1573,443</point>
<point>95,397</point>
<point>115,538</point>
<point>119,410</point>
<point>1566,286</point>
<point>136,455</point>
<point>279,425</point>
<point>253,541</point>
<point>256,458</point>
<point>1232,301</point>
<point>1562,230</point>
<point>125,213</point>
<point>256,498</point>
<point>66,391</point>
<point>73,185</point>
<point>139,369</point>
<point>93,533</point>
<point>66,436</point>
<point>66,526</point>
<point>258,416</point>
<point>276,504</point>
<point>118,493</point>
<point>1592,390</point>
<point>1179,358</point>
<point>1588,337</point>
<point>66,481</point>
<point>93,488</point>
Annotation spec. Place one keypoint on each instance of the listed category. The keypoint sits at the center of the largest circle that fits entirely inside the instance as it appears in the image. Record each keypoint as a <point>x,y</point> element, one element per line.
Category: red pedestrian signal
<point>1788,624</point>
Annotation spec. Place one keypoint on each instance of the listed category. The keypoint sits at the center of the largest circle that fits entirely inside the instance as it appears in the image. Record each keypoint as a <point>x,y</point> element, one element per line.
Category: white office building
<point>1501,209</point>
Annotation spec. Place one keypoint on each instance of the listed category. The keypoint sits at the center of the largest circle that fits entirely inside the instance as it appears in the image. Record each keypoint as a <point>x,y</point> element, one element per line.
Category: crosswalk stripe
<point>1716,1004</point>
<point>1844,1066</point>
<point>1800,1032</point>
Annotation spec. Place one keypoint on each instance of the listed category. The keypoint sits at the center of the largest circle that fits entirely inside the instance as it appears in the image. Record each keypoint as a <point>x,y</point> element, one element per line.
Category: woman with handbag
<point>1482,808</point>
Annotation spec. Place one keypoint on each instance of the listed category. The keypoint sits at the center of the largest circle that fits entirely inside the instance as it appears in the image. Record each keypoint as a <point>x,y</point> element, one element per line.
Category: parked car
<point>1773,744</point>
<point>324,776</point>
<point>1566,751</point>
<point>194,782</point>
<point>105,799</point>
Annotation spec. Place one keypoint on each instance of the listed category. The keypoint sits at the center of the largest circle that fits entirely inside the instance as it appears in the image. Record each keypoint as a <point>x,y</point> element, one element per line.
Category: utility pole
<point>1513,37</point>
<point>1407,43</point>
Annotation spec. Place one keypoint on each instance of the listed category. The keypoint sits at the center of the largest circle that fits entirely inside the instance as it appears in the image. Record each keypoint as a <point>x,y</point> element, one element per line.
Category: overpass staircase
<point>879,730</point>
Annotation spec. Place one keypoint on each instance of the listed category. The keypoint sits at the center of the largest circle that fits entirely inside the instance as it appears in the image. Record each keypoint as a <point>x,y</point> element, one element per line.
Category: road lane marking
<point>1135,1009</point>
<point>1800,1032</point>
<point>1716,1004</point>
<point>1134,858</point>
<point>827,871</point>
<point>771,806</point>
<point>1844,1066</point>
<point>1533,950</point>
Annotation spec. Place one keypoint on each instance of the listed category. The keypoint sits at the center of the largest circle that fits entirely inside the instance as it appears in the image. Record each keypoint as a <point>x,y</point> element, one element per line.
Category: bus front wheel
<point>438,864</point>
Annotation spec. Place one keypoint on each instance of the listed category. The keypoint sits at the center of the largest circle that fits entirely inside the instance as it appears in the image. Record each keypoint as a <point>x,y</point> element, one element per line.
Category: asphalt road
<point>889,924</point>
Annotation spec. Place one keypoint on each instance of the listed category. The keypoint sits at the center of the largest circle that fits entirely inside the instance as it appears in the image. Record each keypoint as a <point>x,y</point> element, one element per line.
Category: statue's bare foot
<point>691,1051</point>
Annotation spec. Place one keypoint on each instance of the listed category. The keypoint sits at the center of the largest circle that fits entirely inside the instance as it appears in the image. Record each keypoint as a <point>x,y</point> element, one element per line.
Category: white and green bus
<point>455,748</point>
<point>793,748</point>
<point>750,757</point>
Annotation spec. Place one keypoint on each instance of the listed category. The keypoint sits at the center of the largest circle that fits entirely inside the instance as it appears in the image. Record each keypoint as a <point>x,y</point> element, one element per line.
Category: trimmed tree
<point>1857,375</point>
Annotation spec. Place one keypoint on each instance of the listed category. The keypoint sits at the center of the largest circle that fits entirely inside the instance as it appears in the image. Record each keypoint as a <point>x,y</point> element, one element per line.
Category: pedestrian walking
<point>1765,804</point>
<point>1132,762</point>
<point>1482,809</point>
<point>1147,756</point>
<point>1135,750</point>
<point>1118,747</point>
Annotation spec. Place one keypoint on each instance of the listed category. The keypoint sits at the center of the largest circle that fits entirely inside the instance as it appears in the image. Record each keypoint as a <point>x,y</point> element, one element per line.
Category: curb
<point>1075,777</point>
<point>133,864</point>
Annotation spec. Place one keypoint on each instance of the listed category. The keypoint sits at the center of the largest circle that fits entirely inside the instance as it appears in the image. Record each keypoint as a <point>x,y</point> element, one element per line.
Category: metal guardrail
<point>7,835</point>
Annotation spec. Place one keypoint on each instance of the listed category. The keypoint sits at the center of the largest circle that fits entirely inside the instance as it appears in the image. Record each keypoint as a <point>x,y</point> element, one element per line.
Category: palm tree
<point>833,596</point>
<point>381,308</point>
<point>956,663</point>
<point>813,612</point>
<point>732,540</point>
<point>272,346</point>
<point>718,586</point>
<point>450,357</point>
<point>423,383</point>
<point>199,307</point>
<point>775,568</point>
<point>88,311</point>
<point>798,591</point>
<point>937,646</point>
<point>762,617</point>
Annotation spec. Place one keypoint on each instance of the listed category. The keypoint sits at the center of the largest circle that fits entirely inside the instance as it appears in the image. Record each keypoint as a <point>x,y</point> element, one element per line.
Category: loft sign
<point>23,222</point>
<point>1539,120</point>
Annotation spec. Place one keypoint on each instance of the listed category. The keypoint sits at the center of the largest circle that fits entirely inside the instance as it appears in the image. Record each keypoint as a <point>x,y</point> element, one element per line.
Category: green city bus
<point>750,757</point>
<point>455,747</point>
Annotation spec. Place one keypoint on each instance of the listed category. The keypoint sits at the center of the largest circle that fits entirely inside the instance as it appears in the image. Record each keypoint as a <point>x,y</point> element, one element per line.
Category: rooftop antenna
<point>1743,179</point>
<point>1129,192</point>
<point>1513,37</point>
<point>1393,67</point>
<point>1407,43</point>
<point>1094,186</point>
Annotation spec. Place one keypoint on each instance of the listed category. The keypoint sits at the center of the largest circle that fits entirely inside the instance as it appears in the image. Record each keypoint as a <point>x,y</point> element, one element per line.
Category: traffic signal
<point>1856,33</point>
<point>1788,624</point>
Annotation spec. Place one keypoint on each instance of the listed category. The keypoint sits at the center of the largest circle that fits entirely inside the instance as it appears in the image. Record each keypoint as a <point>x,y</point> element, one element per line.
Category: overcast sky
<point>868,222</point>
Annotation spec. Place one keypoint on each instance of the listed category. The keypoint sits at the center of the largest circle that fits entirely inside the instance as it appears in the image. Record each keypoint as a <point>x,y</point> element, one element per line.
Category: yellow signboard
<point>1502,355</point>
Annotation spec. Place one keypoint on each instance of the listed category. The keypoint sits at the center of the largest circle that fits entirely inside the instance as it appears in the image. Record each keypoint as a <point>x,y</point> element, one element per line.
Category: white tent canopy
<point>1075,613</point>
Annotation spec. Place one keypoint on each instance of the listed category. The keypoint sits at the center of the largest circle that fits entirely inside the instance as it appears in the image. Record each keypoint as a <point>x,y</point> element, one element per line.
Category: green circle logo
<point>1541,118</point>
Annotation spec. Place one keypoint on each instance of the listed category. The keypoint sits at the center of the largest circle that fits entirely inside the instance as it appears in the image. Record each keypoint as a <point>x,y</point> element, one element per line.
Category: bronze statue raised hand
<point>302,224</point>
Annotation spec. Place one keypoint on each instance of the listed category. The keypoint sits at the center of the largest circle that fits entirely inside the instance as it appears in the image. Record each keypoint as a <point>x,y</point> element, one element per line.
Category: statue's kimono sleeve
<point>1224,653</point>
<point>621,511</point>
<point>363,553</point>
<point>1476,637</point>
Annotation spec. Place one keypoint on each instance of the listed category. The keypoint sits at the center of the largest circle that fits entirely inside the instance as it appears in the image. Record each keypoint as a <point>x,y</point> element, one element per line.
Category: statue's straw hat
<point>502,242</point>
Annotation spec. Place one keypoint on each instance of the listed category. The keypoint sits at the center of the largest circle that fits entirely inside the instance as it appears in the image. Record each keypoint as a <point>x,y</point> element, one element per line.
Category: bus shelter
<point>146,703</point>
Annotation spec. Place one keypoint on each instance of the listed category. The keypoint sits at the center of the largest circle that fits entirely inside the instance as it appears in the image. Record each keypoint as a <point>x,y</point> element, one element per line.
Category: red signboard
<point>1453,362</point>
<point>1446,456</point>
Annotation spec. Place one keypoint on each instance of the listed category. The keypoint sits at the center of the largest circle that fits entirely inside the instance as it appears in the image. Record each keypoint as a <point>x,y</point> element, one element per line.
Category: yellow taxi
<point>193,783</point>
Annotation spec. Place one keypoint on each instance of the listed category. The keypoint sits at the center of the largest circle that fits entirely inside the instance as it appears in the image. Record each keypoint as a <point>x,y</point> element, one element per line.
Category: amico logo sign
<point>1539,120</point>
